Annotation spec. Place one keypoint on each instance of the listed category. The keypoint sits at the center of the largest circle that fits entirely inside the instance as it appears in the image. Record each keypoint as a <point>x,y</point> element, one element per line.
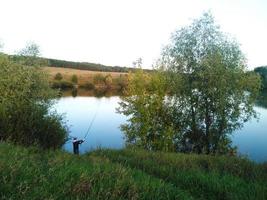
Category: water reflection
<point>251,140</point>
<point>262,99</point>
<point>79,111</point>
<point>100,92</point>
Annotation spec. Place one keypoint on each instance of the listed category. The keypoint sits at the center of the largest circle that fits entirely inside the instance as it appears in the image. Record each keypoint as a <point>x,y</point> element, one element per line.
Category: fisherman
<point>76,144</point>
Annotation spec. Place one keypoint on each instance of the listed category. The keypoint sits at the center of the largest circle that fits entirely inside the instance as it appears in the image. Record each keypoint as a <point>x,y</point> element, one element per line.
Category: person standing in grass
<point>76,144</point>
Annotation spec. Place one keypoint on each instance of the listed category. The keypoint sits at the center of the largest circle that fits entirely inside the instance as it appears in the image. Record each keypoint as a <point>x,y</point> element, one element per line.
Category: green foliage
<point>108,81</point>
<point>74,79</point>
<point>209,94</point>
<point>29,56</point>
<point>30,174</point>
<point>149,125</point>
<point>86,66</point>
<point>201,176</point>
<point>58,76</point>
<point>25,100</point>
<point>88,86</point>
<point>62,85</point>
<point>22,57</point>
<point>216,95</point>
<point>122,82</point>
<point>31,49</point>
<point>262,71</point>
<point>99,79</point>
<point>262,99</point>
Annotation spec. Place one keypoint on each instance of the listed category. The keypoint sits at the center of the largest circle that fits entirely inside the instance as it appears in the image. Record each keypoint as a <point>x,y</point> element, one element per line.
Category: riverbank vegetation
<point>199,93</point>
<point>262,71</point>
<point>127,174</point>
<point>70,78</point>
<point>209,94</point>
<point>25,100</point>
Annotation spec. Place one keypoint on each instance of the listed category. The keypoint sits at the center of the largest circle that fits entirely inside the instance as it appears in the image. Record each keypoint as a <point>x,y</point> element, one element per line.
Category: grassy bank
<point>26,173</point>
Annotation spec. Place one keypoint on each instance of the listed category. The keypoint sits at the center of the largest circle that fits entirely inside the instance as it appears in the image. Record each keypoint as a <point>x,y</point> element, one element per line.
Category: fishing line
<point>93,119</point>
<point>89,127</point>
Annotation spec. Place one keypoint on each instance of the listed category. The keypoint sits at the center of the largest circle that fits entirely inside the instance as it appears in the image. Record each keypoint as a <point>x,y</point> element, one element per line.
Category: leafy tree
<point>99,79</point>
<point>199,96</point>
<point>88,86</point>
<point>25,100</point>
<point>262,71</point>
<point>74,78</point>
<point>217,95</point>
<point>108,81</point>
<point>62,85</point>
<point>138,63</point>
<point>122,81</point>
<point>58,76</point>
<point>30,56</point>
<point>31,49</point>
<point>149,124</point>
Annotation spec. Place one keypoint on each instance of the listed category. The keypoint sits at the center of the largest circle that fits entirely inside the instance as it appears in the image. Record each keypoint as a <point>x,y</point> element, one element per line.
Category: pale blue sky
<point>116,32</point>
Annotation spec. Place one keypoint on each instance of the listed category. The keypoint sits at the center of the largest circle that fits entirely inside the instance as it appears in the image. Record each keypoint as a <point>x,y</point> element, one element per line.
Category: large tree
<point>217,95</point>
<point>204,94</point>
<point>144,102</point>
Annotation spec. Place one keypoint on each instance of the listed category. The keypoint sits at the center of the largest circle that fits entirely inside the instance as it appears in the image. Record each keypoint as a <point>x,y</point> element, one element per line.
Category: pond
<point>80,111</point>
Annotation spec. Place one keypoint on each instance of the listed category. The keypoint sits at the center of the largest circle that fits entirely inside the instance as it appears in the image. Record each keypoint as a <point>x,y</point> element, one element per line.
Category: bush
<point>108,81</point>
<point>36,127</point>
<point>74,79</point>
<point>99,79</point>
<point>25,101</point>
<point>88,86</point>
<point>122,81</point>
<point>58,77</point>
<point>62,85</point>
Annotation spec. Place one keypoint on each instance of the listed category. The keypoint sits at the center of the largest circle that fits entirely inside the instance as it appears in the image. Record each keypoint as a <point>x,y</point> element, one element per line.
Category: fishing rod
<point>90,125</point>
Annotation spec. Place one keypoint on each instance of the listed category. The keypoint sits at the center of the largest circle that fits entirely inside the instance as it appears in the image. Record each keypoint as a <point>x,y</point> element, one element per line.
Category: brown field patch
<point>84,76</point>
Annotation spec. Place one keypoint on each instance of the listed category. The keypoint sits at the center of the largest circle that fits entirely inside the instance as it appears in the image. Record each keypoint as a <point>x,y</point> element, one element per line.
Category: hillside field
<point>84,76</point>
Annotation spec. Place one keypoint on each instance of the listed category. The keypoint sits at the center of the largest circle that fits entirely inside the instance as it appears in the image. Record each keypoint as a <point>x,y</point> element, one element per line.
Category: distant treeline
<point>86,66</point>
<point>75,65</point>
<point>262,71</point>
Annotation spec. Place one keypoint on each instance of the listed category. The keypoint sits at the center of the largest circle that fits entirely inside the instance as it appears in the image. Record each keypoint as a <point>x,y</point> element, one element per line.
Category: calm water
<point>105,132</point>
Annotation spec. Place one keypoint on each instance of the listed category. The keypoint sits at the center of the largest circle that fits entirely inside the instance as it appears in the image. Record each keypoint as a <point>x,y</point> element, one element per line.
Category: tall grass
<point>33,174</point>
<point>29,173</point>
<point>204,177</point>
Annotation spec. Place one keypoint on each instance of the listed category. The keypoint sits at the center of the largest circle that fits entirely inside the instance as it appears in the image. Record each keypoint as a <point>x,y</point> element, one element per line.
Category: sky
<point>117,32</point>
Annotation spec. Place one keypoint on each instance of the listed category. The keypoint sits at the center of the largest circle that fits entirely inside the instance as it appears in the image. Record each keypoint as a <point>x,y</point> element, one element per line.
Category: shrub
<point>58,77</point>
<point>74,79</point>
<point>88,86</point>
<point>36,127</point>
<point>108,80</point>
<point>25,101</point>
<point>122,81</point>
<point>99,79</point>
<point>62,85</point>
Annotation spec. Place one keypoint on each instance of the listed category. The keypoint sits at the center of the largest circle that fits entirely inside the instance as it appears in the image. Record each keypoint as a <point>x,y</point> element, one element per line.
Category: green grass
<point>26,173</point>
<point>29,174</point>
<point>202,176</point>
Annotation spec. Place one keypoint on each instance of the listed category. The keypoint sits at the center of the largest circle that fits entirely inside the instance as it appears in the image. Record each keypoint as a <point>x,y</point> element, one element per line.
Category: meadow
<point>64,78</point>
<point>29,173</point>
